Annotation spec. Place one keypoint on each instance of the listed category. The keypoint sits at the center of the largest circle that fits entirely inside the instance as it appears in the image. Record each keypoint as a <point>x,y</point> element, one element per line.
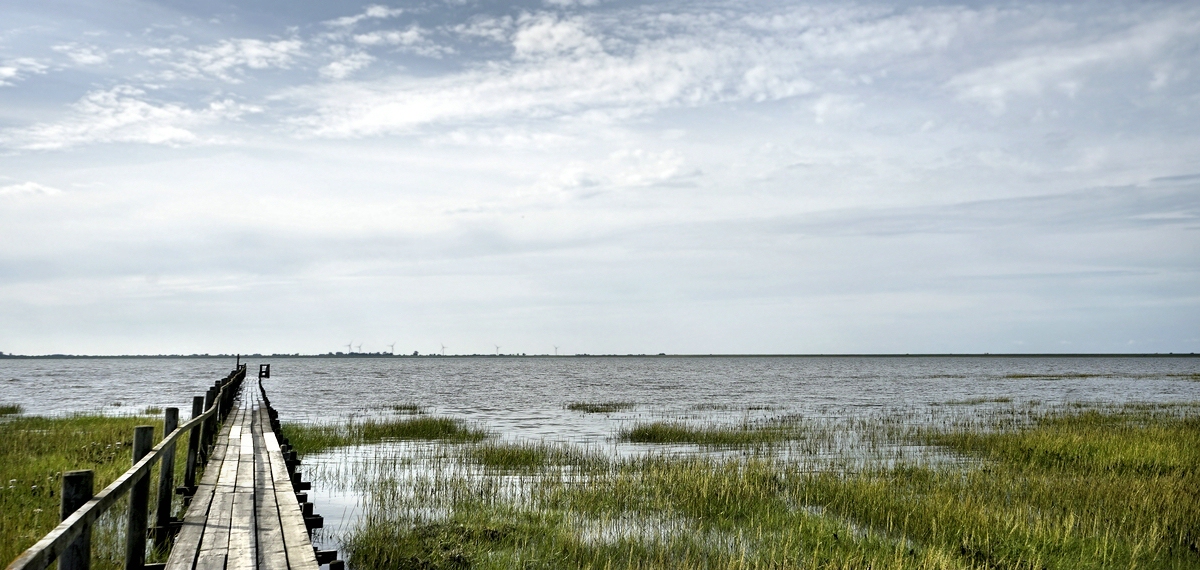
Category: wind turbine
<point>556,350</point>
<point>350,348</point>
<point>443,350</point>
<point>392,348</point>
<point>360,347</point>
<point>497,349</point>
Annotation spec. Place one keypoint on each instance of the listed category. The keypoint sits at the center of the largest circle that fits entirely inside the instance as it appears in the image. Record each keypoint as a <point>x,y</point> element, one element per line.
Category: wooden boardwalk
<point>245,513</point>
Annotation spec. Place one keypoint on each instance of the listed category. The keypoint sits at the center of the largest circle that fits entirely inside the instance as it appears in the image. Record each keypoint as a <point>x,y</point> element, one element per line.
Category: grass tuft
<point>679,432</point>
<point>312,438</point>
<point>11,409</point>
<point>599,407</point>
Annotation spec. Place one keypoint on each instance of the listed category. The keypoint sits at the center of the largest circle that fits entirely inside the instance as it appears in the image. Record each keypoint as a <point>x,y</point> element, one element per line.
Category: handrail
<point>43,552</point>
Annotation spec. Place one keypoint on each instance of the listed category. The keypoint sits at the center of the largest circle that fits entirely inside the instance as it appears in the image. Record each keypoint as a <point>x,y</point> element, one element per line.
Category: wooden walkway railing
<point>247,512</point>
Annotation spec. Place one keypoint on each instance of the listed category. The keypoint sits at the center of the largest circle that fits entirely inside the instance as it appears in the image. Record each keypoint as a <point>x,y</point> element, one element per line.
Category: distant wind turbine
<point>497,349</point>
<point>443,350</point>
<point>392,348</point>
<point>360,347</point>
<point>556,350</point>
<point>350,348</point>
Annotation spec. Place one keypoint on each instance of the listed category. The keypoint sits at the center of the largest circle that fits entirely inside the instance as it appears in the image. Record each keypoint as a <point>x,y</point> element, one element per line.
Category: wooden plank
<point>187,543</point>
<point>271,552</point>
<point>295,535</point>
<point>242,538</point>
<point>214,544</point>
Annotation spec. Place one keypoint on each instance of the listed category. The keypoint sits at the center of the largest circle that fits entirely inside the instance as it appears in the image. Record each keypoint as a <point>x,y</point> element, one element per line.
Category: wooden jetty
<point>248,511</point>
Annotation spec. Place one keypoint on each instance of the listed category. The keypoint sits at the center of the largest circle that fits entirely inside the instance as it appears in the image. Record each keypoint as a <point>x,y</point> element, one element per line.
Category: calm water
<point>526,398</point>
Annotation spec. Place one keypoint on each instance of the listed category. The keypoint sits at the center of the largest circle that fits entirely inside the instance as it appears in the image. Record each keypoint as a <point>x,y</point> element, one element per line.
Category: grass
<point>529,457</point>
<point>599,407</point>
<point>313,438</point>
<point>411,409</point>
<point>667,432</point>
<point>11,409</point>
<point>34,453</point>
<point>977,401</point>
<point>1056,489</point>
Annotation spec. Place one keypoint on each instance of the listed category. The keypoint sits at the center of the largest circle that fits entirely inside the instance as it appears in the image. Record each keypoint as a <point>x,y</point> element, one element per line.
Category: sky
<point>599,176</point>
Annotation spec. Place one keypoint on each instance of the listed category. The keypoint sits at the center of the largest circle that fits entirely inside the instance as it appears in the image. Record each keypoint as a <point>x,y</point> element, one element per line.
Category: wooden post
<point>209,422</point>
<point>139,502</point>
<point>189,473</point>
<point>76,490</point>
<point>166,481</point>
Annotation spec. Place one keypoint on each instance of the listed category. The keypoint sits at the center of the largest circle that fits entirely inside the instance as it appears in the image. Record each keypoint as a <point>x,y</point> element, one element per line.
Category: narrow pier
<point>246,512</point>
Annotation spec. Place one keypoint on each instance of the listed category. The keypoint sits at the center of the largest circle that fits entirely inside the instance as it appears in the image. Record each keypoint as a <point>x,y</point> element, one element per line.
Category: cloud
<point>1065,68</point>
<point>14,70</point>
<point>82,55</point>
<point>122,114</point>
<point>560,67</point>
<point>28,189</point>
<point>346,65</point>
<point>227,60</point>
<point>547,35</point>
<point>415,39</point>
<point>374,11</point>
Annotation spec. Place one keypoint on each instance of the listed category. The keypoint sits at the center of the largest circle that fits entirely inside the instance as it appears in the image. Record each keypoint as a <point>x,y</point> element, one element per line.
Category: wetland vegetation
<point>1027,486</point>
<point>36,451</point>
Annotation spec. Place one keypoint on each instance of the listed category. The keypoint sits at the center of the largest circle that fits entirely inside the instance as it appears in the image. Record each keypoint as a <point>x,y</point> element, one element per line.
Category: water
<point>526,398</point>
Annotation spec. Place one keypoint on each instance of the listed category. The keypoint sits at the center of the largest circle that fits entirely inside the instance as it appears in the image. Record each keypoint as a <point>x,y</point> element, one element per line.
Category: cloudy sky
<point>601,175</point>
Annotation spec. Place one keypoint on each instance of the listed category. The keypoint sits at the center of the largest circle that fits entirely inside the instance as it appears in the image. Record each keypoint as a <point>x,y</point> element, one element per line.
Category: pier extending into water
<point>249,509</point>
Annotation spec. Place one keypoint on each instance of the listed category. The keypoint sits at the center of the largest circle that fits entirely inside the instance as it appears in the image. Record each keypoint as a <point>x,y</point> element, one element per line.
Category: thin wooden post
<point>77,489</point>
<point>189,473</point>
<point>139,502</point>
<point>209,422</point>
<point>166,481</point>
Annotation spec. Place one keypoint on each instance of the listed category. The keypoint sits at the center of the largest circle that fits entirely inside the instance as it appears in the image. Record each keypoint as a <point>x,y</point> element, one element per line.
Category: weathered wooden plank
<point>295,534</point>
<point>271,552</point>
<point>242,538</point>
<point>214,544</point>
<point>187,543</point>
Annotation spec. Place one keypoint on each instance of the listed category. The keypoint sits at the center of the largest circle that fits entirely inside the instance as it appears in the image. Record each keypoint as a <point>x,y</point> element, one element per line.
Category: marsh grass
<point>313,438</point>
<point>410,409</point>
<point>600,407</point>
<point>36,451</point>
<point>675,432</point>
<point>1058,488</point>
<point>976,401</point>
<point>11,409</point>
<point>530,457</point>
<point>152,411</point>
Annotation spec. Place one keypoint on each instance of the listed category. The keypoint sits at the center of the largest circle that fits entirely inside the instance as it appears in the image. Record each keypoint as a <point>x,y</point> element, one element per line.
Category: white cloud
<point>1066,68</point>
<point>122,114</point>
<point>627,168</point>
<point>228,59</point>
<point>346,65</point>
<point>82,55</point>
<point>547,35</point>
<point>28,189</point>
<point>374,11</point>
<point>14,70</point>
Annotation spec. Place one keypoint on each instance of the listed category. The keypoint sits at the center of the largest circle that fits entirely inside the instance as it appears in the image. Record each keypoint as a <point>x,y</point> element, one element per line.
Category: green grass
<point>1059,489</point>
<point>34,453</point>
<point>665,432</point>
<point>11,409</point>
<point>599,407</point>
<point>411,409</point>
<point>313,438</point>
<point>528,457</point>
<point>977,401</point>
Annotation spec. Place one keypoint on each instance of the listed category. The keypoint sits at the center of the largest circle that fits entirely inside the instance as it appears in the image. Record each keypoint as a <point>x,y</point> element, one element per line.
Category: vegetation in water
<point>10,409</point>
<point>680,432</point>
<point>1062,488</point>
<point>600,407</point>
<point>411,409</point>
<point>312,438</point>
<point>36,451</point>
